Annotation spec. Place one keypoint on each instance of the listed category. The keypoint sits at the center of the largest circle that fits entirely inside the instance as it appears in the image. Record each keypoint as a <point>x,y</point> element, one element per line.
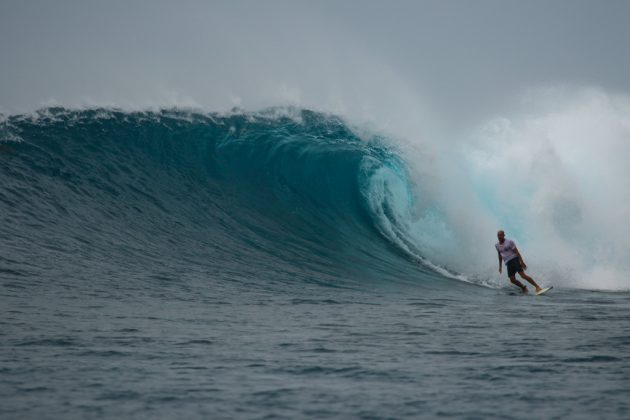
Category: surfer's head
<point>501,236</point>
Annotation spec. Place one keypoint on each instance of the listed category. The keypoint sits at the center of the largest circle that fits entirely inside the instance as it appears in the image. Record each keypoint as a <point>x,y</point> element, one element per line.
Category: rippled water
<point>464,352</point>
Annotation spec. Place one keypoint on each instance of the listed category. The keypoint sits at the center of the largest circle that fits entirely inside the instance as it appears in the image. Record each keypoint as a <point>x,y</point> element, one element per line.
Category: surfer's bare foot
<point>538,289</point>
<point>524,289</point>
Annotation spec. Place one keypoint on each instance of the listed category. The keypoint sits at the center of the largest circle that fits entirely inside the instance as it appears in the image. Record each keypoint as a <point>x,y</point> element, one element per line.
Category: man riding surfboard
<point>506,248</point>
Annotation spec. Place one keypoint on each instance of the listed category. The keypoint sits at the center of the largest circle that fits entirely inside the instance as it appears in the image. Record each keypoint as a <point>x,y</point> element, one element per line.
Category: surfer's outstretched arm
<point>500,262</point>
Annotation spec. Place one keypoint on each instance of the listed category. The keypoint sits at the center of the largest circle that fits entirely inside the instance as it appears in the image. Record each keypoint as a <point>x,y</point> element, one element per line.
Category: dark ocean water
<point>181,265</point>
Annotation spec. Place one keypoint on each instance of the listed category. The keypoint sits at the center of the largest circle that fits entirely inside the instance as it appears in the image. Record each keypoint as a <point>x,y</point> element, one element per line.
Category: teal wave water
<point>299,191</point>
<point>264,265</point>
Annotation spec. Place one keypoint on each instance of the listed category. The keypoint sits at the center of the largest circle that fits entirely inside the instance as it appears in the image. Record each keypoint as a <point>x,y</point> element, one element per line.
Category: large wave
<point>283,193</point>
<point>294,193</point>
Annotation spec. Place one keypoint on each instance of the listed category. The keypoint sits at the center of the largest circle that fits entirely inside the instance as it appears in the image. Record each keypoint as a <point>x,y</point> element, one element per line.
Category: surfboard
<point>544,290</point>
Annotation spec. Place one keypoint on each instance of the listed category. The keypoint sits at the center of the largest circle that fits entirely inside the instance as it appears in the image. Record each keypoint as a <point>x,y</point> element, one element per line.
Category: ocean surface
<point>173,264</point>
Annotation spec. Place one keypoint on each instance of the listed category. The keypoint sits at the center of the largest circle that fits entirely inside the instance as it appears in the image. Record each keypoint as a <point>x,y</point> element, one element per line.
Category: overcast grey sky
<point>459,58</point>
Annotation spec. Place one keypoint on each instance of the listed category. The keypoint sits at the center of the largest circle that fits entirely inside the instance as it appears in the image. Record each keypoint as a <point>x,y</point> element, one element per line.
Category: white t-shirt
<point>507,249</point>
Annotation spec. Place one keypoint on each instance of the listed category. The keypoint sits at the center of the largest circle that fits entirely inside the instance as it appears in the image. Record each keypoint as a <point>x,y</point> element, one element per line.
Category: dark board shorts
<point>513,267</point>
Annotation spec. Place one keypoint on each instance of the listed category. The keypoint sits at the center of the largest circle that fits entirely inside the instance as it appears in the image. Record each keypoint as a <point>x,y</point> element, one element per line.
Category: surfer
<point>506,248</point>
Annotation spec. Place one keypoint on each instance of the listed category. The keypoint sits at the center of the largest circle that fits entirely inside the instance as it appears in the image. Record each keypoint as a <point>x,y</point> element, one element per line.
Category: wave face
<point>285,195</point>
